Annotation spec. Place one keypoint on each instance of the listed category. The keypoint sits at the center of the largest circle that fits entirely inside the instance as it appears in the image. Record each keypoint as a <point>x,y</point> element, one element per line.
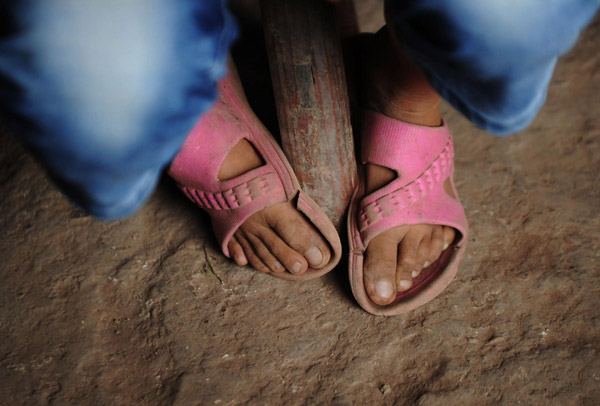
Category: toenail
<point>240,259</point>
<point>446,245</point>
<point>426,264</point>
<point>277,265</point>
<point>384,289</point>
<point>297,267</point>
<point>405,284</point>
<point>414,274</point>
<point>314,256</point>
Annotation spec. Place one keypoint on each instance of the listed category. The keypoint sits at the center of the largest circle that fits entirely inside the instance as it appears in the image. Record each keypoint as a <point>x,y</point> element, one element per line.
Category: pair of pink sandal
<point>422,156</point>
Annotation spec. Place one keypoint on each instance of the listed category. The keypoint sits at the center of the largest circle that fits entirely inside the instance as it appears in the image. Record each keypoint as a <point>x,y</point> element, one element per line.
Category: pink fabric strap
<point>238,196</point>
<point>376,208</point>
<point>401,146</point>
<point>423,158</point>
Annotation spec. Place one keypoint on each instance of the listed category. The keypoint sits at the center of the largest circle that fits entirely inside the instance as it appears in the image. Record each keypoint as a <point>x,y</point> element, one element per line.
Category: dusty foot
<point>396,88</point>
<point>277,238</point>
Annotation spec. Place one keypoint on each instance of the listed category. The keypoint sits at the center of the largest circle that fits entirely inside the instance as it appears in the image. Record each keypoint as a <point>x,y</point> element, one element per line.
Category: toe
<point>314,256</point>
<point>303,238</point>
<point>404,278</point>
<point>449,235</point>
<point>380,269</point>
<point>436,245</point>
<point>313,247</point>
<point>253,259</point>
<point>291,260</point>
<point>237,252</point>
<point>407,260</point>
<point>422,255</point>
<point>264,253</point>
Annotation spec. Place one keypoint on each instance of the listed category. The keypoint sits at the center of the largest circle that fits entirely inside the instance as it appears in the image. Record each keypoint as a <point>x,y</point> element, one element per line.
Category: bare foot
<point>395,87</point>
<point>277,238</point>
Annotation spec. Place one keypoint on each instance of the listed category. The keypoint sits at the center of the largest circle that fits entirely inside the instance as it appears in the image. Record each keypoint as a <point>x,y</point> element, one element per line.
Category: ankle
<point>410,107</point>
<point>394,86</point>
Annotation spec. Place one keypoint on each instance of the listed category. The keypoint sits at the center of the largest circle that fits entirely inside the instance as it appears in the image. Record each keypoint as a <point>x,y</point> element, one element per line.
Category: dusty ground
<point>145,311</point>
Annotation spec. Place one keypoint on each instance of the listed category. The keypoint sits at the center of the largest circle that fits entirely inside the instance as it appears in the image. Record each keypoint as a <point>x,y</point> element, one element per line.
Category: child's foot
<point>231,167</point>
<point>277,238</point>
<point>396,88</point>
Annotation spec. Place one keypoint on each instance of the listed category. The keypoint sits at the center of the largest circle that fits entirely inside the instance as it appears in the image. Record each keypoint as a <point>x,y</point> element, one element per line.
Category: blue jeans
<point>104,92</point>
<point>491,59</point>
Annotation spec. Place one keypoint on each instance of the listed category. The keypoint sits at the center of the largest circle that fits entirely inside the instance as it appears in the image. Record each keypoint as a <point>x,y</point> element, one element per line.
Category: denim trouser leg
<point>104,92</point>
<point>491,59</point>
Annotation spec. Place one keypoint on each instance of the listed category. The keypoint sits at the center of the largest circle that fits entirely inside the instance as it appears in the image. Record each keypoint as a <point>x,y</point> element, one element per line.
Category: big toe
<point>380,269</point>
<point>314,256</point>
<point>301,236</point>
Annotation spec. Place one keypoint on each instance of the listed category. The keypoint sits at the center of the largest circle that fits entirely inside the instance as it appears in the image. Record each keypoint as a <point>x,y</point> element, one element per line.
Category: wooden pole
<point>309,84</point>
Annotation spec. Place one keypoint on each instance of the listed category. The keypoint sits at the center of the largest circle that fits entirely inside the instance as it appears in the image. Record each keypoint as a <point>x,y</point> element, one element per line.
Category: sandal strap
<point>424,159</point>
<point>403,147</point>
<point>238,196</point>
<point>377,207</point>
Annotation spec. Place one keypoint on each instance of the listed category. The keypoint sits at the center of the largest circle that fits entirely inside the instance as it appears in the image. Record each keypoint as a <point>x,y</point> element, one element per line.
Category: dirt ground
<point>146,311</point>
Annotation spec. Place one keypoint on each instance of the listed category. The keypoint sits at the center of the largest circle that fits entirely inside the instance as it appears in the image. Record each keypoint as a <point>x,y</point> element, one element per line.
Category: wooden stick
<point>309,84</point>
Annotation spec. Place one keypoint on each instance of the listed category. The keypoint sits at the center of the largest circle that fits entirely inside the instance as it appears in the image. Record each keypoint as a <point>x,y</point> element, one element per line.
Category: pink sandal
<point>229,203</point>
<point>423,159</point>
